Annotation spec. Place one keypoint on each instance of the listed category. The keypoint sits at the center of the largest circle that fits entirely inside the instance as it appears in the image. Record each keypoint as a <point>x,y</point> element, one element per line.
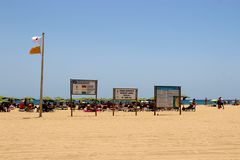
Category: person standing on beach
<point>194,103</point>
<point>206,101</point>
<point>220,103</point>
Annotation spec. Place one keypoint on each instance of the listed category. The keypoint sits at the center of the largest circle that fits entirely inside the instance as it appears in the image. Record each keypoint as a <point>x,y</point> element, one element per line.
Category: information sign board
<point>125,93</point>
<point>167,96</point>
<point>83,87</point>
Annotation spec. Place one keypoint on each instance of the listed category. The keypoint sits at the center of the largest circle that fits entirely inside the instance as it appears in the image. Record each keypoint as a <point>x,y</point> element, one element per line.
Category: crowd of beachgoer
<point>48,106</point>
<point>104,106</point>
<point>6,105</point>
<point>90,106</point>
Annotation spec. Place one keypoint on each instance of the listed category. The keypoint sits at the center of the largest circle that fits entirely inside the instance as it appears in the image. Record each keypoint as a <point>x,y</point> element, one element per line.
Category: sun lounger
<point>189,108</point>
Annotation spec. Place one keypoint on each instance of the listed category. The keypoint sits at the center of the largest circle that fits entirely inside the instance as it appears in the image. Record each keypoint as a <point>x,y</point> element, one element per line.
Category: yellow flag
<point>35,50</point>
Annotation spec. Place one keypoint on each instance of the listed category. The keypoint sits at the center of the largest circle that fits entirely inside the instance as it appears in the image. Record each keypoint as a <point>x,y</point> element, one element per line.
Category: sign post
<point>71,105</point>
<point>135,108</point>
<point>83,87</point>
<point>96,100</point>
<point>113,105</point>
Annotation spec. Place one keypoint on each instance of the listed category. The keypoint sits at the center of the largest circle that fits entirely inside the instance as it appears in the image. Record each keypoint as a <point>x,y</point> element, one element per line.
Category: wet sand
<point>207,134</point>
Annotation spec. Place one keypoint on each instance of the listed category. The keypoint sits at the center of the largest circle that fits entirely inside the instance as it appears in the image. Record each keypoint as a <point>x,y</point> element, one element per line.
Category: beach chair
<point>30,107</point>
<point>2,108</point>
<point>190,108</point>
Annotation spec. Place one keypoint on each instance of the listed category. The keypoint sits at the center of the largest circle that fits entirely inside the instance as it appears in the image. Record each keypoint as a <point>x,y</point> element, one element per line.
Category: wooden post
<point>71,105</point>
<point>113,105</point>
<point>180,108</point>
<point>113,102</point>
<point>135,109</point>
<point>155,108</point>
<point>96,106</point>
<point>41,83</point>
<point>155,100</point>
<point>71,92</point>
<point>113,110</point>
<point>136,102</point>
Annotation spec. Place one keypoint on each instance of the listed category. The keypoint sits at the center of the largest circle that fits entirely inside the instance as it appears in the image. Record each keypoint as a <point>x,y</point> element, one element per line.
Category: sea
<point>185,102</point>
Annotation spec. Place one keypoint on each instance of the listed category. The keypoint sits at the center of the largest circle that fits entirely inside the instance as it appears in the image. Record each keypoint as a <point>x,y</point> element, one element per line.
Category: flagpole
<point>41,83</point>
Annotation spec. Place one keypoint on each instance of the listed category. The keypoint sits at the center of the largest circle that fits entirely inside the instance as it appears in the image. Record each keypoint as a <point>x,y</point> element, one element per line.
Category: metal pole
<point>41,83</point>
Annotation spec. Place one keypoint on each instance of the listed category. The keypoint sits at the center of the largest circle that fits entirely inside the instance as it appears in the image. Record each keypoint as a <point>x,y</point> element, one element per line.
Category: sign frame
<point>83,80</point>
<point>178,88</point>
<point>136,97</point>
<point>114,95</point>
<point>71,91</point>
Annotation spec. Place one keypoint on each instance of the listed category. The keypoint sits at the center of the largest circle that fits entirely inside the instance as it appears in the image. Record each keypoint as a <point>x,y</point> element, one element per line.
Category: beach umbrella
<point>2,97</point>
<point>47,98</point>
<point>4,100</point>
<point>63,101</point>
<point>59,99</point>
<point>9,99</point>
<point>74,99</point>
<point>14,98</point>
<point>183,96</point>
<point>104,99</point>
<point>214,100</point>
<point>142,99</point>
<point>29,98</point>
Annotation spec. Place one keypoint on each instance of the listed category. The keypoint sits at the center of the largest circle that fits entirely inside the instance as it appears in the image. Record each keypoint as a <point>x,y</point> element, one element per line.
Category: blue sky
<point>122,43</point>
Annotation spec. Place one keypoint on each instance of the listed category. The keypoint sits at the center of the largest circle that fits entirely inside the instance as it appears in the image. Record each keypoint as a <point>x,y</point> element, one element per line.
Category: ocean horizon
<point>184,102</point>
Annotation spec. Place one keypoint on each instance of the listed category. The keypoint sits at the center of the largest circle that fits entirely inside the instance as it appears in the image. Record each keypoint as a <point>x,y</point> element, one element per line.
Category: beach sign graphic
<point>83,87</point>
<point>125,93</point>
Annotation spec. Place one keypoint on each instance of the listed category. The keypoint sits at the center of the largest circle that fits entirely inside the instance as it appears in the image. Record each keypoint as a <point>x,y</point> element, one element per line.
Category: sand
<point>207,134</point>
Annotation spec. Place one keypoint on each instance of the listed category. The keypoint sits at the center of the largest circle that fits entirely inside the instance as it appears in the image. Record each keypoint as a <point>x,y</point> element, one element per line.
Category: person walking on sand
<point>220,103</point>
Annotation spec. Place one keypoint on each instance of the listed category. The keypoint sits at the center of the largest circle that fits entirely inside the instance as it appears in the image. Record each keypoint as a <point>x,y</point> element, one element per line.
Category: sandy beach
<point>207,134</point>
